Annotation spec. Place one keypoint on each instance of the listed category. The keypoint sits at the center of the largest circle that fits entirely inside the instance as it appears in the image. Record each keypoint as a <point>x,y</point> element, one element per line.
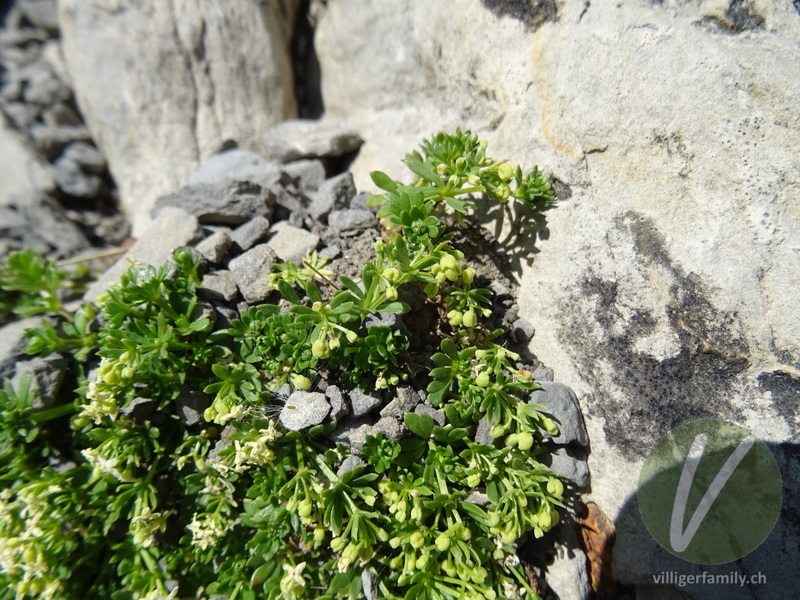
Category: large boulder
<point>164,85</point>
<point>664,285</point>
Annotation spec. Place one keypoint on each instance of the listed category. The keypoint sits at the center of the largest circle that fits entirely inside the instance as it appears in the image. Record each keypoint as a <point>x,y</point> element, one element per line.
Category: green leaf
<point>395,307</point>
<point>352,286</point>
<point>421,168</point>
<point>383,181</point>
<point>420,425</point>
<point>313,292</point>
<point>288,292</point>
<point>339,583</point>
<point>492,492</point>
<point>449,348</point>
<point>336,515</point>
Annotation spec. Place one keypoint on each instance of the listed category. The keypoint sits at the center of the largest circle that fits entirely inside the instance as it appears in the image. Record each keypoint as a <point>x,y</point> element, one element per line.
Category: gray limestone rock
<point>219,285</point>
<point>74,181</point>
<point>48,224</point>
<point>174,228</point>
<point>230,203</point>
<point>482,433</point>
<point>437,415</point>
<point>41,13</point>
<point>140,409</point>
<point>302,138</point>
<point>562,405</point>
<point>543,374</point>
<point>12,341</point>
<point>390,427</point>
<point>191,404</point>
<point>86,156</point>
<point>334,194</point>
<point>44,87</point>
<point>250,233</point>
<point>51,140</point>
<point>194,74</point>
<point>62,114</point>
<point>251,272</point>
<point>338,402</point>
<point>47,375</point>
<point>351,220</point>
<point>570,462</point>
<point>309,173</point>
<point>303,410</point>
<point>215,247</point>
<point>291,244</point>
<point>405,400</point>
<point>236,165</point>
<point>362,403</point>
<point>522,330</point>
<point>350,463</point>
<point>383,319</point>
<point>21,169</point>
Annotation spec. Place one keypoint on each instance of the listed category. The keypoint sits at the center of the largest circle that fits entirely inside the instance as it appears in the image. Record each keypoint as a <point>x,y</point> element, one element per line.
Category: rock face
<point>663,289</point>
<point>164,84</point>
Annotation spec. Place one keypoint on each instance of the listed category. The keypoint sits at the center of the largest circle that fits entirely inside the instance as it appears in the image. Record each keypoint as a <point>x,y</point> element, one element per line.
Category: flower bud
<point>454,317</point>
<point>391,274</point>
<point>301,382</point>
<point>304,508</point>
<point>352,336</point>
<point>549,426</point>
<point>431,290</point>
<point>509,537</point>
<point>338,544</point>
<point>460,161</point>
<point>417,540</point>
<point>473,480</point>
<point>334,344</point>
<point>505,171</point>
<point>441,168</point>
<point>320,348</point>
<point>470,319</point>
<point>483,380</point>
<point>128,372</point>
<point>524,441</point>
<point>391,293</point>
<point>448,261</point>
<point>451,274</point>
<point>319,535</point>
<point>467,275</point>
<point>497,430</point>
<point>555,488</point>
<point>443,542</point>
